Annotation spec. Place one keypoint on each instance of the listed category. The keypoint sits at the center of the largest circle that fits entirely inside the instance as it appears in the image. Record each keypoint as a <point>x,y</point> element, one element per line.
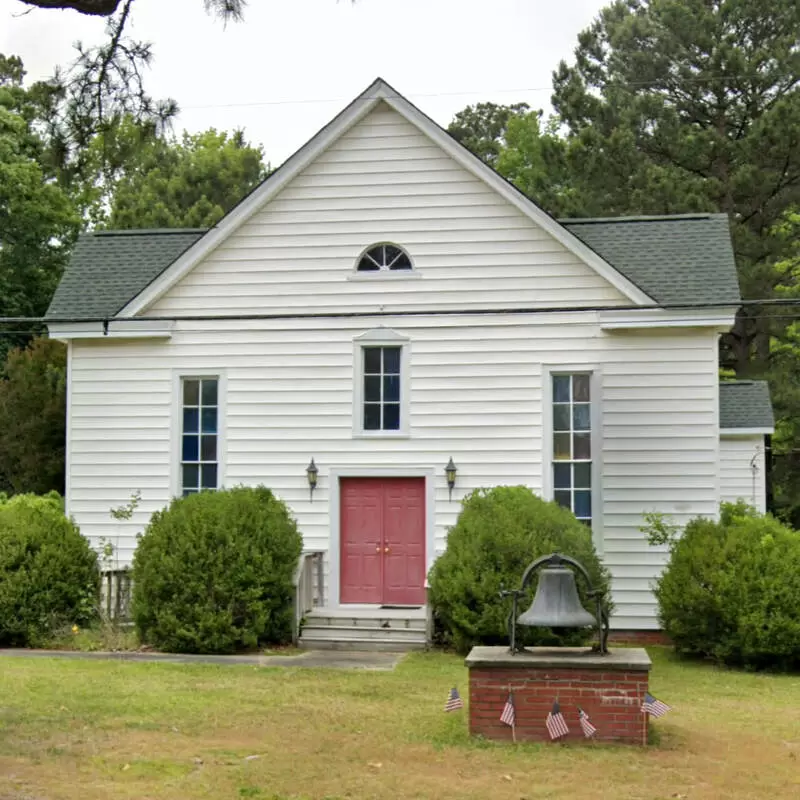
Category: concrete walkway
<point>326,659</point>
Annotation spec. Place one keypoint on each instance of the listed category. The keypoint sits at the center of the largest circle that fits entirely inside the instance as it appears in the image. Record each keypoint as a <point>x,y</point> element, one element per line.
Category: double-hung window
<point>199,434</point>
<point>381,394</point>
<point>572,443</point>
<point>381,384</point>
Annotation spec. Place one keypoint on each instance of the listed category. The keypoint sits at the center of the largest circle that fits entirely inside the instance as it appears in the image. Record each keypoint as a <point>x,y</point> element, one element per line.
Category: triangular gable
<point>337,127</point>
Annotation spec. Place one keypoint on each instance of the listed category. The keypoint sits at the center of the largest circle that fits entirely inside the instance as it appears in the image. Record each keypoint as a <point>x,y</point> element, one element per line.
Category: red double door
<point>383,541</point>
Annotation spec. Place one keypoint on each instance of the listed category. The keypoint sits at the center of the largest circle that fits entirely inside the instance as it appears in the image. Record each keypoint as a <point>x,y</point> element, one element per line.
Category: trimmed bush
<point>731,590</point>
<point>213,573</point>
<point>498,533</point>
<point>48,572</point>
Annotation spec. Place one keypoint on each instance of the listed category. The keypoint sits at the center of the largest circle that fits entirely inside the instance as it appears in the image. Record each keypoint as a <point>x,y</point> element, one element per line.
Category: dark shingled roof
<point>679,259</point>
<point>109,268</point>
<point>745,404</point>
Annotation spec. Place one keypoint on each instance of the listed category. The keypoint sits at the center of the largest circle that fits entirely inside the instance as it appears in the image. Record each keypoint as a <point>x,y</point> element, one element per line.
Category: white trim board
<point>334,505</point>
<point>745,432</point>
<point>379,91</point>
<point>114,329</point>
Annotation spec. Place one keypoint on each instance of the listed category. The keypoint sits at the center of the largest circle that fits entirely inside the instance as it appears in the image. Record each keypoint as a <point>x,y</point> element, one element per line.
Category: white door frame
<point>334,493</point>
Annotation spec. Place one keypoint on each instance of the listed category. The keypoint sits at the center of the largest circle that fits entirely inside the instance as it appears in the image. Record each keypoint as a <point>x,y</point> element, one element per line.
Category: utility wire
<point>666,83</point>
<point>381,312</point>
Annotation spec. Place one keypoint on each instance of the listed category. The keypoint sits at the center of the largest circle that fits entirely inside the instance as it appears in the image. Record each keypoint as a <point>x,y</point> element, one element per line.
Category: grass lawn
<point>75,729</point>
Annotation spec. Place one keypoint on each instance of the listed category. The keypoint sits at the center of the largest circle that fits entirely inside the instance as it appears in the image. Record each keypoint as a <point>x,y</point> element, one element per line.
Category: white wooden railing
<point>115,594</point>
<point>308,587</point>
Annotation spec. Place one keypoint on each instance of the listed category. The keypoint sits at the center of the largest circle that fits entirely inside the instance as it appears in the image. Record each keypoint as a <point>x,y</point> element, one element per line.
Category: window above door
<point>380,391</point>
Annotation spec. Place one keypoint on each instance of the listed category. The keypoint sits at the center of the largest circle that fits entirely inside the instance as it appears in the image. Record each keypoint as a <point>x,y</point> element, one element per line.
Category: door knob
<point>377,549</point>
<point>385,549</point>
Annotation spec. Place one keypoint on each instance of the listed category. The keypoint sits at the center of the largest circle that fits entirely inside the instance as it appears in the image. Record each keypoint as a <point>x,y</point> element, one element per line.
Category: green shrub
<point>498,533</point>
<point>731,590</point>
<point>213,573</point>
<point>48,571</point>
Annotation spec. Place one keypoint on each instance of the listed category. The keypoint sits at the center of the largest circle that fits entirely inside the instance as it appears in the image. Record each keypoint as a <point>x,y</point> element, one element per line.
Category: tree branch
<point>94,8</point>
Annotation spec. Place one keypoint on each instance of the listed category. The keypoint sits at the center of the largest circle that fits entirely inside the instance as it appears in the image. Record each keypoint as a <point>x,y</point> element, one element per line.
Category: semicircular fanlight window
<point>383,257</point>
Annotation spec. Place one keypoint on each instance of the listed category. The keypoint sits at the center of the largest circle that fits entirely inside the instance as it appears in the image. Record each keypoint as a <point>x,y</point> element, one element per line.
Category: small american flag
<point>555,723</point>
<point>509,715</point>
<point>454,701</point>
<point>653,707</point>
<point>588,729</point>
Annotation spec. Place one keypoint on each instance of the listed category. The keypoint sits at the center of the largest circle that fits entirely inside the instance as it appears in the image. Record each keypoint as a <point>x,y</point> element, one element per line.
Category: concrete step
<point>318,619</point>
<point>310,642</point>
<point>349,632</point>
<point>365,628</point>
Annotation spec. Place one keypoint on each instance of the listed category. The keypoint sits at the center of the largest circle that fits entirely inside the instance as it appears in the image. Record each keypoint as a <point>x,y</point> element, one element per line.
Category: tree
<point>33,418</point>
<point>191,183</point>
<point>482,128</point>
<point>78,115</point>
<point>534,159</point>
<point>38,223</point>
<point>684,105</point>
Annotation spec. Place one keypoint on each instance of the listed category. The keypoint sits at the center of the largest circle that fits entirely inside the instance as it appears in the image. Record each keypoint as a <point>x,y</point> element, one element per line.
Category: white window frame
<point>176,455</point>
<point>595,374</point>
<point>381,337</point>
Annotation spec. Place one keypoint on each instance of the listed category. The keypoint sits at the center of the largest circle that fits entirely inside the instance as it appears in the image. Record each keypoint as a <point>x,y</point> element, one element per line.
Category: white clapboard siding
<point>742,470</point>
<point>386,181</point>
<point>476,396</point>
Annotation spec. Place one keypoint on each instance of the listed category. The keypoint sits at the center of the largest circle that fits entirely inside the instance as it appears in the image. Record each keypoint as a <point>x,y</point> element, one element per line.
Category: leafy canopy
<point>190,183</point>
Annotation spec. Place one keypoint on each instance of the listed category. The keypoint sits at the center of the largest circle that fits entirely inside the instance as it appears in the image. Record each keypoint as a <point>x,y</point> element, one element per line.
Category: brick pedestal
<point>610,689</point>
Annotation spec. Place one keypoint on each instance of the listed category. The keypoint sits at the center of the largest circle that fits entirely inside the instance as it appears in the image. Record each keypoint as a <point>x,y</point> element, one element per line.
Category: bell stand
<point>557,560</point>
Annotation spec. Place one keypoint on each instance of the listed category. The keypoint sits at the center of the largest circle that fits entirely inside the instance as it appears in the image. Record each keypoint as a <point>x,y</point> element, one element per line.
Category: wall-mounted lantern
<point>311,473</point>
<point>450,471</point>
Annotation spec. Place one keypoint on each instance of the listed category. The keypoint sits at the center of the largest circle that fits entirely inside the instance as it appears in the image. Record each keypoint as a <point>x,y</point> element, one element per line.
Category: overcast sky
<point>293,64</point>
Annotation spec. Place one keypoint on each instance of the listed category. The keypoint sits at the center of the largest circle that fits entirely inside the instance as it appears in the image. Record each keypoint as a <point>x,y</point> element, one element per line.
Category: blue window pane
<point>209,475</point>
<point>391,360</point>
<point>191,393</point>
<point>391,417</point>
<point>209,420</point>
<point>583,504</point>
<point>191,448</point>
<point>563,499</point>
<point>561,388</point>
<point>372,388</point>
<point>561,476</point>
<point>191,419</point>
<point>372,417</point>
<point>209,392</point>
<point>191,476</point>
<point>561,418</point>
<point>391,388</point>
<point>372,360</point>
<point>208,448</point>
<point>581,417</point>
<point>582,476</point>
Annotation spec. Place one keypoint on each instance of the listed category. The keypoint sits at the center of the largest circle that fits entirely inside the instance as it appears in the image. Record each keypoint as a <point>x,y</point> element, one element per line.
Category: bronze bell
<point>556,604</point>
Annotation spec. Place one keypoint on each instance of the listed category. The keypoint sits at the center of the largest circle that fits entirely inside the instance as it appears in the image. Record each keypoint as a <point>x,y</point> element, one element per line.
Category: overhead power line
<point>666,82</point>
<point>382,312</point>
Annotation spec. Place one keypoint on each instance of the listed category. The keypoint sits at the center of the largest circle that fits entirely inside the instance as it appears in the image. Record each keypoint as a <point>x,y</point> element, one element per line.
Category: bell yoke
<point>556,604</point>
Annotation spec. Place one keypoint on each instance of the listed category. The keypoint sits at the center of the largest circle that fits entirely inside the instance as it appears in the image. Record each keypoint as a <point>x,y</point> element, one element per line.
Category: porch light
<point>450,471</point>
<point>311,473</point>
